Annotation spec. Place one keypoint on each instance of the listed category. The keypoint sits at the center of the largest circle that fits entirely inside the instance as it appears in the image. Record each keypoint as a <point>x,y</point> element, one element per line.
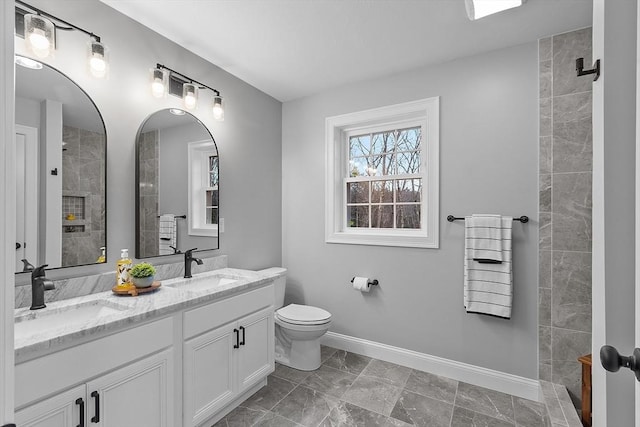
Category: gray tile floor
<point>353,390</point>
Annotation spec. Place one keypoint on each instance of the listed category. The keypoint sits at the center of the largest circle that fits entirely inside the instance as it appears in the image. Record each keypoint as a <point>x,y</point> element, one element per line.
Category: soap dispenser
<point>103,256</point>
<point>122,269</point>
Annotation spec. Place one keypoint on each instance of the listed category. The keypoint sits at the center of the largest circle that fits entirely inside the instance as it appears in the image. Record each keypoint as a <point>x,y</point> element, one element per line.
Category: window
<point>382,176</point>
<point>203,189</point>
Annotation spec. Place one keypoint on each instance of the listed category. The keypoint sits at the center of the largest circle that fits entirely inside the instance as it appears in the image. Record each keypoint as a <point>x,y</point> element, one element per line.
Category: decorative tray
<point>133,291</point>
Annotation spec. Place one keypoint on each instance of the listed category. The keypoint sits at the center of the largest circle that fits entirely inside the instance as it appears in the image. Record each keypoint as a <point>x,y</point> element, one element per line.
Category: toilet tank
<point>279,282</point>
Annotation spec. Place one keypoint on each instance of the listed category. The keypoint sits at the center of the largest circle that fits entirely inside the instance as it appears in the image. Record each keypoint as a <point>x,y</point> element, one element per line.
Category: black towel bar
<point>523,219</point>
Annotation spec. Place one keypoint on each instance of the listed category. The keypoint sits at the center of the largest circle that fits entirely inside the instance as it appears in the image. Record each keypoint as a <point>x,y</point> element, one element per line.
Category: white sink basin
<point>200,284</point>
<point>68,317</point>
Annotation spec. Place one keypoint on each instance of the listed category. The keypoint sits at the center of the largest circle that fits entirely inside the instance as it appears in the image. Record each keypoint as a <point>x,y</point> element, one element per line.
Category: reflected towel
<point>167,234</point>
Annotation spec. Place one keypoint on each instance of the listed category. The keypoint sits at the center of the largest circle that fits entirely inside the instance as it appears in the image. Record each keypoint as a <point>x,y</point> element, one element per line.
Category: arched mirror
<point>61,180</point>
<point>177,179</point>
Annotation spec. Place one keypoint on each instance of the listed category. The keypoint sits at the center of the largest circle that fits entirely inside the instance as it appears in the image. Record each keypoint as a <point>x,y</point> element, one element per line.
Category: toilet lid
<point>303,314</point>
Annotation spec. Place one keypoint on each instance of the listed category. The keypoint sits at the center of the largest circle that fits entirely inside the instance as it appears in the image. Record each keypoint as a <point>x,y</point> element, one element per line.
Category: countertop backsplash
<point>86,285</point>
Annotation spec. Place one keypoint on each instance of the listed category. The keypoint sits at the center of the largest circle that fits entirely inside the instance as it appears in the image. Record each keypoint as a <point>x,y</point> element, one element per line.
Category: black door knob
<point>612,361</point>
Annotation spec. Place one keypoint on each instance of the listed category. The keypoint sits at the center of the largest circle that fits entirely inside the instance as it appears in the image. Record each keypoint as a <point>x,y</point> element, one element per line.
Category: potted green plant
<point>142,274</point>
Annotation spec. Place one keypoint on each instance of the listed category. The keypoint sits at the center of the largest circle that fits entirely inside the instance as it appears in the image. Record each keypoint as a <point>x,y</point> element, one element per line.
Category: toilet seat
<point>297,314</point>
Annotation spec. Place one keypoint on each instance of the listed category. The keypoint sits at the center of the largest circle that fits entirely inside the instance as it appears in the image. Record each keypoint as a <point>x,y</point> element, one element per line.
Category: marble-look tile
<point>294,375</point>
<point>305,406</point>
<point>528,413</point>
<point>349,362</point>
<point>489,402</point>
<point>418,410</point>
<point>373,395</point>
<point>544,231</point>
<point>546,79</point>
<point>544,269</point>
<point>268,396</point>
<point>568,405</point>
<point>571,108</point>
<point>567,346</point>
<point>544,371</point>
<point>544,307</point>
<point>545,49</point>
<point>552,403</point>
<point>272,420</point>
<point>466,418</point>
<point>348,415</point>
<point>545,154</point>
<point>241,416</point>
<point>572,290</point>
<point>566,48</point>
<point>573,146</point>
<point>329,381</point>
<point>326,352</point>
<point>572,204</point>
<point>544,199</point>
<point>546,117</point>
<point>433,386</point>
<point>387,372</point>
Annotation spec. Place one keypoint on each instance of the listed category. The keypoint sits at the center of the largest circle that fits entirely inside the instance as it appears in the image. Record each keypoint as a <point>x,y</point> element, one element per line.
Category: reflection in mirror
<point>176,185</point>
<point>60,172</point>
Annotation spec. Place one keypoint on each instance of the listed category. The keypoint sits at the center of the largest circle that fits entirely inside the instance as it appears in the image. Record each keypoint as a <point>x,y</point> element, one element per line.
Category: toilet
<point>298,330</point>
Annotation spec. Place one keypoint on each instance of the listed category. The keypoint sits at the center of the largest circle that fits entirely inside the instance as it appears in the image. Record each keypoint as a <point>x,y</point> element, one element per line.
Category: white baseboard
<point>476,375</point>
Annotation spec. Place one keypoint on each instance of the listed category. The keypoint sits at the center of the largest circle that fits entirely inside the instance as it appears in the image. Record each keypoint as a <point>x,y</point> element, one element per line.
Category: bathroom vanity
<point>186,354</point>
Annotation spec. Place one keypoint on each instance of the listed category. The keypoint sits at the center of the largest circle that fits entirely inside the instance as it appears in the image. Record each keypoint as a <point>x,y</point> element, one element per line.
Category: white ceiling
<point>293,48</point>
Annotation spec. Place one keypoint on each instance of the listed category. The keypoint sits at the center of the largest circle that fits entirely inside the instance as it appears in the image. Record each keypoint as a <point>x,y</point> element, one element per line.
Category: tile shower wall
<point>149,223</point>
<point>565,173</point>
<point>83,179</point>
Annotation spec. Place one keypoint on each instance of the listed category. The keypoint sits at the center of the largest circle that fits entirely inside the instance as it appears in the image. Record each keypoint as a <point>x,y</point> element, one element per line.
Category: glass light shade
<point>190,95</point>
<point>159,82</point>
<point>218,108</point>
<point>39,35</point>
<point>98,60</point>
<point>477,9</point>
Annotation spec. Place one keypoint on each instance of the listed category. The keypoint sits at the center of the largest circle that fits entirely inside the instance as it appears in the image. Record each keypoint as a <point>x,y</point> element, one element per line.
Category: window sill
<point>413,240</point>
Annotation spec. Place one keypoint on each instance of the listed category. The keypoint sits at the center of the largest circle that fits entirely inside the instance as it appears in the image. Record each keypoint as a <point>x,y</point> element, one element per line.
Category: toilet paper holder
<point>370,282</point>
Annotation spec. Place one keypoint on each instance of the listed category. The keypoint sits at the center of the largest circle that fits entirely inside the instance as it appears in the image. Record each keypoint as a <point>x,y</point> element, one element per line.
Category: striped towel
<point>488,287</point>
<point>167,234</point>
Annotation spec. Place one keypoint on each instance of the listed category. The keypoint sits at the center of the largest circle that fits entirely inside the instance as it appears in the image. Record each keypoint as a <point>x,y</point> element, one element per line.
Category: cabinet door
<point>62,410</point>
<point>256,353</point>
<point>139,394</point>
<point>208,373</point>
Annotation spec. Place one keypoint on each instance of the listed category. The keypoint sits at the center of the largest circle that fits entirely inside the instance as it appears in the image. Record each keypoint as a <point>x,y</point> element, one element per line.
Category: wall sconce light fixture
<point>40,37</point>
<point>165,80</point>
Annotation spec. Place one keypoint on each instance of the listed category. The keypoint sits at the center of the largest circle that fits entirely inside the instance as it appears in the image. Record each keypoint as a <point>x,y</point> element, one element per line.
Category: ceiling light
<point>98,64</point>
<point>477,9</point>
<point>176,111</point>
<point>218,108</point>
<point>28,63</point>
<point>190,95</point>
<point>159,80</point>
<point>39,35</point>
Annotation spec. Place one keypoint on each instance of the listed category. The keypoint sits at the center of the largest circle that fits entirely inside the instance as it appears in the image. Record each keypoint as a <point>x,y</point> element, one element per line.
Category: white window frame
<point>426,112</point>
<point>198,159</point>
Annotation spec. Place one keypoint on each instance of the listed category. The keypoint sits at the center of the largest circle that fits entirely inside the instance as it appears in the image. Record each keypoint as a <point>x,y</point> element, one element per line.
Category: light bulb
<point>218,109</point>
<point>39,40</point>
<point>97,59</point>
<point>158,82</point>
<point>190,95</point>
<point>39,35</point>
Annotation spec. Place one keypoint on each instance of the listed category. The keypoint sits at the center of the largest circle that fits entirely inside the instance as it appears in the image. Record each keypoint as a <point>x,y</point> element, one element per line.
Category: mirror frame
<point>105,151</point>
<point>137,188</point>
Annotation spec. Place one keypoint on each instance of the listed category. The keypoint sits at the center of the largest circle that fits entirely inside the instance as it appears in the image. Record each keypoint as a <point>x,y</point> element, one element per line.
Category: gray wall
<point>249,140</point>
<point>488,152</point>
<point>566,157</point>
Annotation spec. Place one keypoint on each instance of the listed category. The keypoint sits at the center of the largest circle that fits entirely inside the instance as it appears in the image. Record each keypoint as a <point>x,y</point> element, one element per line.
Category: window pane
<point>357,192</point>
<point>213,171</point>
<point>407,216</point>
<point>409,163</point>
<point>409,139</point>
<point>212,215</point>
<point>212,198</point>
<point>358,167</point>
<point>409,190</point>
<point>359,146</point>
<point>382,216</point>
<point>384,165</point>
<point>358,216</point>
<point>383,143</point>
<point>382,192</point>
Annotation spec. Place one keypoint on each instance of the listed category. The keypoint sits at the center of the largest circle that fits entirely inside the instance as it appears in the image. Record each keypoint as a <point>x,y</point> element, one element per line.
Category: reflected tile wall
<point>565,206</point>
<point>148,167</point>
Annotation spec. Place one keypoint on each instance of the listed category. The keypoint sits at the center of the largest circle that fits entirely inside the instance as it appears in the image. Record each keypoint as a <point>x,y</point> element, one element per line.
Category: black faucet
<point>188,259</point>
<point>39,284</point>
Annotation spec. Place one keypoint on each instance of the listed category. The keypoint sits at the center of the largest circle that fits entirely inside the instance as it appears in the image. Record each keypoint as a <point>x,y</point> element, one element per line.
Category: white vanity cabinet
<point>125,390</point>
<point>223,359</point>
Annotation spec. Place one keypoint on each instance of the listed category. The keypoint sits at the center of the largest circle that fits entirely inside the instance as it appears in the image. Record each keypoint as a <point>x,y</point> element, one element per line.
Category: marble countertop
<point>119,312</point>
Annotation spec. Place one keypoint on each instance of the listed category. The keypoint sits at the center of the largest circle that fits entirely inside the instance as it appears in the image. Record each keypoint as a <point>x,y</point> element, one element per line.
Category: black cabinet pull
<point>80,401</point>
<point>237,344</point>
<point>242,329</point>
<point>96,396</point>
